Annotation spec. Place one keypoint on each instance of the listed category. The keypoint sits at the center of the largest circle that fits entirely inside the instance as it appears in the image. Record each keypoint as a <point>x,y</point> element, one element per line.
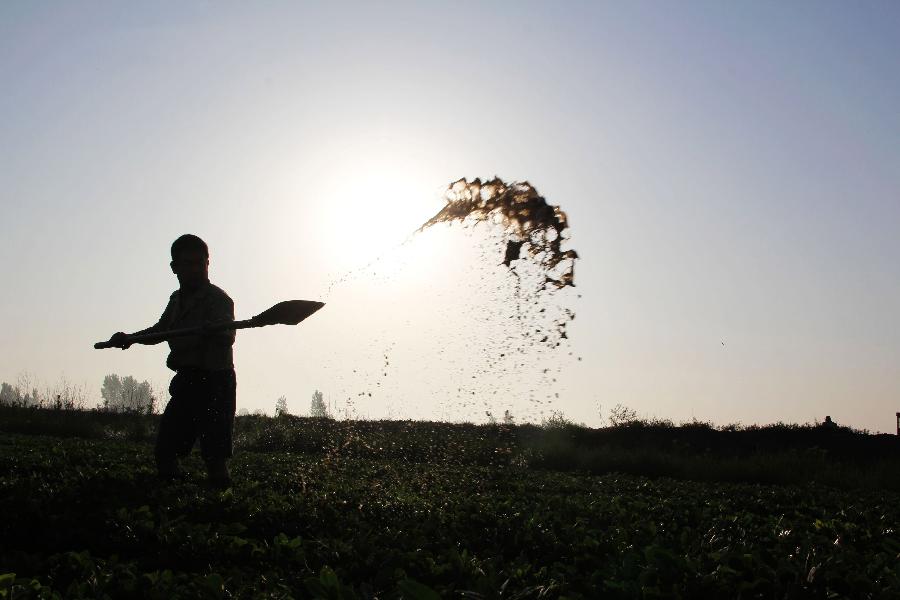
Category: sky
<point>731,174</point>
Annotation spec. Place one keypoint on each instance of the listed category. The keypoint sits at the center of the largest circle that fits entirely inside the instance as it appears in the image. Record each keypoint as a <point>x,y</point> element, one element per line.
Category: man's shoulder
<point>218,293</point>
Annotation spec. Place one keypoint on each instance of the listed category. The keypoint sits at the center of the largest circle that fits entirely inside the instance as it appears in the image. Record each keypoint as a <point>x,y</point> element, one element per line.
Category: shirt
<point>209,304</point>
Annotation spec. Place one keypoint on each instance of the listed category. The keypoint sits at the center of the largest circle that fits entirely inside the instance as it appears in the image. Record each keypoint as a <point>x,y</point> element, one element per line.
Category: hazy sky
<point>731,172</point>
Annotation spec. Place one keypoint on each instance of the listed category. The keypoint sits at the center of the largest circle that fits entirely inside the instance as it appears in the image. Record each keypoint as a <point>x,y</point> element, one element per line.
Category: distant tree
<point>9,396</point>
<point>558,420</point>
<point>621,415</point>
<point>150,398</point>
<point>23,384</point>
<point>111,391</point>
<point>508,418</point>
<point>125,394</point>
<point>281,406</point>
<point>317,408</point>
<point>243,412</point>
<point>66,395</point>
<point>129,393</point>
<point>33,399</point>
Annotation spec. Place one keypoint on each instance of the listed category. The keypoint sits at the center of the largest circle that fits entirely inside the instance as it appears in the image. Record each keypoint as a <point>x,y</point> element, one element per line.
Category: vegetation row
<point>779,454</point>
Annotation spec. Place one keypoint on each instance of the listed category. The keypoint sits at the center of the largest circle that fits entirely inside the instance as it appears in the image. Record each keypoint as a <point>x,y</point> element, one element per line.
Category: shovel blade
<point>289,312</point>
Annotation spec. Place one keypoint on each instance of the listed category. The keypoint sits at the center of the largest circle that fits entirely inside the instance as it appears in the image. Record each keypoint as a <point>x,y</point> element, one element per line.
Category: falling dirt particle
<point>513,250</point>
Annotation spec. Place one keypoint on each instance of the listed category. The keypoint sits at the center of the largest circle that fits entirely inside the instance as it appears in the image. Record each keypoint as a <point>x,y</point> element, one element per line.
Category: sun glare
<point>371,203</point>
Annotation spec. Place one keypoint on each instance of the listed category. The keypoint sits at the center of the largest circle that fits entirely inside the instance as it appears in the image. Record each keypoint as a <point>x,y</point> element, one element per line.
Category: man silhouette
<point>203,388</point>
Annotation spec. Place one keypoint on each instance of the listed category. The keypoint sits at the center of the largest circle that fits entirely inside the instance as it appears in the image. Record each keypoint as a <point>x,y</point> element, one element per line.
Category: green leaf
<point>233,529</point>
<point>329,579</point>
<point>214,584</point>
<point>6,581</point>
<point>410,589</point>
<point>315,588</point>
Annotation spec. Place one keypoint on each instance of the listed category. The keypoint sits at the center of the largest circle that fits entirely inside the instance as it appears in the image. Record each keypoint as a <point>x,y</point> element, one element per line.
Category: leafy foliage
<point>774,454</point>
<point>359,518</point>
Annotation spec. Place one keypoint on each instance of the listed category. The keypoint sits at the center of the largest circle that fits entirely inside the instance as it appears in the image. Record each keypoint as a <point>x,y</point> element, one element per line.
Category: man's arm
<point>221,309</point>
<point>120,339</point>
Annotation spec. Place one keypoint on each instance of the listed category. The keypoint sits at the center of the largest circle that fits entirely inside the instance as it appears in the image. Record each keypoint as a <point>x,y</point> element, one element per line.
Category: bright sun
<point>370,201</point>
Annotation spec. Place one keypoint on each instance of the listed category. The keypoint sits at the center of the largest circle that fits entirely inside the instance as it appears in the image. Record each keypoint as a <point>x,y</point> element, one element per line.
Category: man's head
<point>190,261</point>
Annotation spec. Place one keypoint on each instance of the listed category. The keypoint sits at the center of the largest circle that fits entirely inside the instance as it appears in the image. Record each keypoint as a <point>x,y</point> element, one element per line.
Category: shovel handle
<point>289,312</point>
<point>162,336</point>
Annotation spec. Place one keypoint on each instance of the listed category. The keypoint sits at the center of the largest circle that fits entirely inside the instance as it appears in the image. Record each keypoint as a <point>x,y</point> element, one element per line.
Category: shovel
<point>289,312</point>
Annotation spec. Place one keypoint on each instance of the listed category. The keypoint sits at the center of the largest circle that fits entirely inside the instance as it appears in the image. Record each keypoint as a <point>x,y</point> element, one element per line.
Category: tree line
<point>317,407</point>
<point>118,394</point>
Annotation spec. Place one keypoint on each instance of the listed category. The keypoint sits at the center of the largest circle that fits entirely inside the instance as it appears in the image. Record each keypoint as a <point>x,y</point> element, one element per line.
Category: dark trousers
<point>202,405</point>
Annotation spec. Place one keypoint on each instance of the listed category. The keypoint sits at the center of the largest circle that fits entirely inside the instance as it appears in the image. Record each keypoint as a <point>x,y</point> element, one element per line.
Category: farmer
<point>203,388</point>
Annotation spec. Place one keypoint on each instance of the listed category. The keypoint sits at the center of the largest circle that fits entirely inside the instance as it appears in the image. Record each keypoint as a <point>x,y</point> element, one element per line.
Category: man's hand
<point>120,340</point>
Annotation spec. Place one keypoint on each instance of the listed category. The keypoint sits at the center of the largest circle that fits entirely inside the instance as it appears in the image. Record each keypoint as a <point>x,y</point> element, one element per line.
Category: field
<point>332,509</point>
